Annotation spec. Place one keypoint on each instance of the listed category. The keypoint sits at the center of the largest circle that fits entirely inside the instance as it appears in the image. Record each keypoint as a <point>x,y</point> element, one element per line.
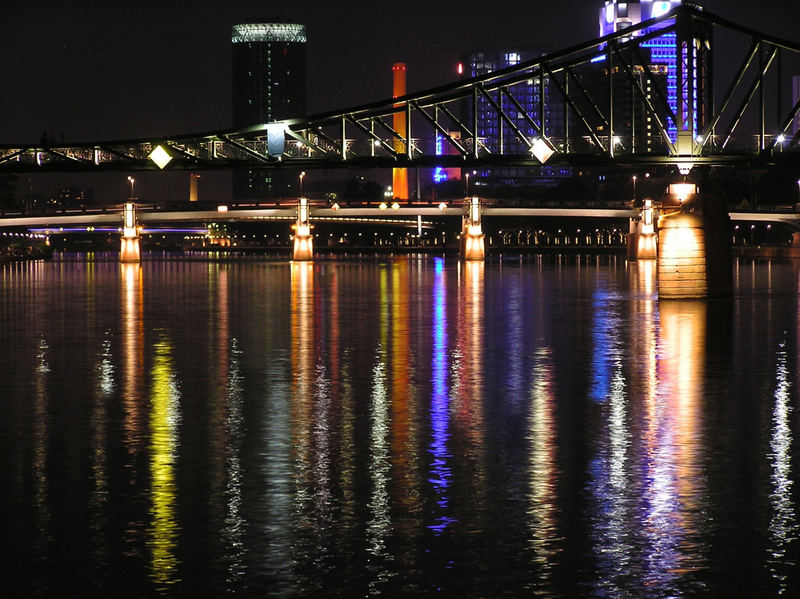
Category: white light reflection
<point>542,466</point>
<point>42,515</point>
<point>234,521</point>
<point>783,525</point>
<point>612,520</point>
<point>98,500</point>
<point>379,523</point>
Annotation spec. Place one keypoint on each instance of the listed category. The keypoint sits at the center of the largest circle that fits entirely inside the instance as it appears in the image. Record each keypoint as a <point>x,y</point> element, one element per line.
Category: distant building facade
<point>495,134</point>
<point>269,84</point>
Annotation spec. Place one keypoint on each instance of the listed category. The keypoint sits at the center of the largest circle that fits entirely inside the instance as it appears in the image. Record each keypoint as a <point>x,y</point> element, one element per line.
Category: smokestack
<point>399,175</point>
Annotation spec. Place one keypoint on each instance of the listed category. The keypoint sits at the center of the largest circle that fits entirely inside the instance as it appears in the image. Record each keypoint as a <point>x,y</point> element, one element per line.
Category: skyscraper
<point>663,70</point>
<point>269,84</point>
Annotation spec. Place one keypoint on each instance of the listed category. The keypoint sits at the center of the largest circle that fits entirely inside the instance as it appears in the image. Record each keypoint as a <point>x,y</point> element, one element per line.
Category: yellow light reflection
<point>467,371</point>
<point>675,447</point>
<point>164,419</point>
<point>303,379</point>
<point>400,391</point>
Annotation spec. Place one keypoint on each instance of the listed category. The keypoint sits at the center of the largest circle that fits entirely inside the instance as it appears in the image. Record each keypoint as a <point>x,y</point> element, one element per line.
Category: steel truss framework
<point>615,106</point>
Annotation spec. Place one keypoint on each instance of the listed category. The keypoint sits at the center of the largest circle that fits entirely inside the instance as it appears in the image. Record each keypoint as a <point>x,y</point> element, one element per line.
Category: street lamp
<point>302,174</point>
<point>131,180</point>
<point>467,176</point>
<point>634,189</point>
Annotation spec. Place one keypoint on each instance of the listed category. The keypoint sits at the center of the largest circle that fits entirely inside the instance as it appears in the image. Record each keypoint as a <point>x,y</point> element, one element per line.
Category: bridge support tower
<point>129,250</point>
<point>472,237</point>
<point>303,241</point>
<point>694,257</point>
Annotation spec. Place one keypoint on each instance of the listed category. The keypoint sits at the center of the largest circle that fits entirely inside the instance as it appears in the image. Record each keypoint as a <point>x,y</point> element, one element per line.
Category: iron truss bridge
<point>641,96</point>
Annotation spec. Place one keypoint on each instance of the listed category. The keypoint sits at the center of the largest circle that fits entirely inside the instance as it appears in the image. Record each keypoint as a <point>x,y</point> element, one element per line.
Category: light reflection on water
<point>543,427</point>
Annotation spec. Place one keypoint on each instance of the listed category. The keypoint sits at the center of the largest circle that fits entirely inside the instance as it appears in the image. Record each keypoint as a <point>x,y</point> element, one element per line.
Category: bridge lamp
<point>131,180</point>
<point>683,191</point>
<point>335,206</point>
<point>302,176</point>
<point>443,205</point>
<point>395,206</point>
<point>699,138</point>
<point>541,150</point>
<point>383,206</point>
<point>160,156</point>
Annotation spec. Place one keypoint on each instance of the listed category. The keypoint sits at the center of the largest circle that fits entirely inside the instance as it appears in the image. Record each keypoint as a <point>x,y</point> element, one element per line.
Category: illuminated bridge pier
<point>129,249</point>
<point>694,256</point>
<point>303,249</point>
<point>472,236</point>
<point>642,237</point>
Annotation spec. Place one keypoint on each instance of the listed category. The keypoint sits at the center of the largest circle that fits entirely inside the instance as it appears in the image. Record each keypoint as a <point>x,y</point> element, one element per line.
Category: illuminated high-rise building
<point>616,15</point>
<point>269,84</point>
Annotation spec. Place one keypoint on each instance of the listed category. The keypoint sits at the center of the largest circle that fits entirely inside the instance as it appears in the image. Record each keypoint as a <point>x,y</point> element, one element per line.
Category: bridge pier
<point>303,249</point>
<point>472,237</point>
<point>694,258</point>
<point>642,238</point>
<point>129,250</point>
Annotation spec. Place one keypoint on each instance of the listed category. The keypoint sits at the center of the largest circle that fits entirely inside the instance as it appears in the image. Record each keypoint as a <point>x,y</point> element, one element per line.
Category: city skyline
<point>94,71</point>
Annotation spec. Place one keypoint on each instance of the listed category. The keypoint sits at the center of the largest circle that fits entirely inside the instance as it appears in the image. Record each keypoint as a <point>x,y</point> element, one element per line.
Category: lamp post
<point>302,175</point>
<point>131,180</point>
<point>467,176</point>
<point>634,190</point>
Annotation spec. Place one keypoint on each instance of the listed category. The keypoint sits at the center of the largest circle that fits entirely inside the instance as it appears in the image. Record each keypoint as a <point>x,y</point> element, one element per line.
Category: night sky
<point>91,70</point>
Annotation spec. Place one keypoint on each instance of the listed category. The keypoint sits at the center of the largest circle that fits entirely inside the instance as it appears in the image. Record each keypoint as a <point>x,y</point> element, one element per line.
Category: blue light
<point>439,174</point>
<point>440,471</point>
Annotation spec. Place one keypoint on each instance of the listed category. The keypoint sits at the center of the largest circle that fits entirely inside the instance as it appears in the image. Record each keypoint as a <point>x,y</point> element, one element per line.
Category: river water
<point>414,425</point>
